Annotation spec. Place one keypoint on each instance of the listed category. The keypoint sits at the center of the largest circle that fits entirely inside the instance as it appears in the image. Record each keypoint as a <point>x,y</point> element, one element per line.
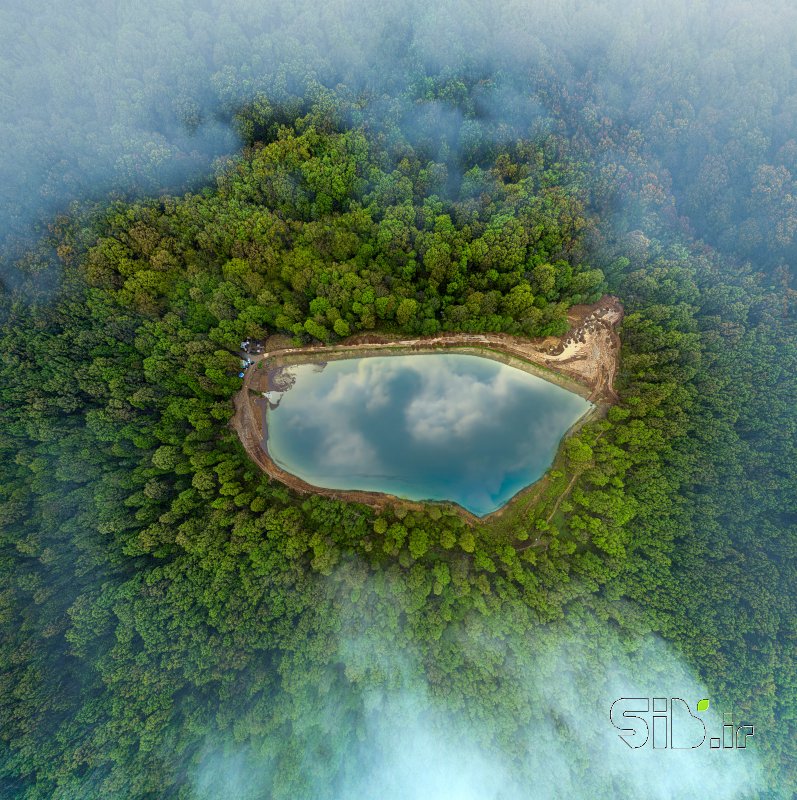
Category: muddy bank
<point>584,360</point>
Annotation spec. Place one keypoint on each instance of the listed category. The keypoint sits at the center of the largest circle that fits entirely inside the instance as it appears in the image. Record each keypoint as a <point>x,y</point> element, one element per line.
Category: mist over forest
<point>178,176</point>
<point>698,97</point>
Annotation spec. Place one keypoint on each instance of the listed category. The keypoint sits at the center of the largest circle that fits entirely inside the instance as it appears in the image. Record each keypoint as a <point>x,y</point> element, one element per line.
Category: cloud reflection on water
<point>433,426</point>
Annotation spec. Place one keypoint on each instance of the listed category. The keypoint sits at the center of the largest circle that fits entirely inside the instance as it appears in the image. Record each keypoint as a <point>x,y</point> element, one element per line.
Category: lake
<point>427,426</point>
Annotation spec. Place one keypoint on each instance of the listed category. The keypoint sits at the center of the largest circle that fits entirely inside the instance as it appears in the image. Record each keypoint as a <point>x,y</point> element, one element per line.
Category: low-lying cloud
<point>548,738</point>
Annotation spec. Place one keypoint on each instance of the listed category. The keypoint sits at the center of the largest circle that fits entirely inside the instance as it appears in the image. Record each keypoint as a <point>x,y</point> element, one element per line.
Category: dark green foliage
<point>157,589</point>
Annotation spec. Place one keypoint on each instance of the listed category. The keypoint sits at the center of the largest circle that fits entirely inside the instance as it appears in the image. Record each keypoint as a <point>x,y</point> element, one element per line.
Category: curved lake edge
<point>536,357</point>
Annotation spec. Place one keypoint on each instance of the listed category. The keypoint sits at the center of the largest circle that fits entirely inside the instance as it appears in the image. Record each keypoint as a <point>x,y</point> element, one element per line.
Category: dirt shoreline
<point>584,360</point>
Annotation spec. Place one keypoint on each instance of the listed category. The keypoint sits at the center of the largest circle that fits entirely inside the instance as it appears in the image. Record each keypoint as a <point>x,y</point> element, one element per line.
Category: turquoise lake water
<point>435,426</point>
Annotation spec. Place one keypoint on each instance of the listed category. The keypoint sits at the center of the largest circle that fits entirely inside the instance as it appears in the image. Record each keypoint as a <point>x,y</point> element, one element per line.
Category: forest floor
<point>584,360</point>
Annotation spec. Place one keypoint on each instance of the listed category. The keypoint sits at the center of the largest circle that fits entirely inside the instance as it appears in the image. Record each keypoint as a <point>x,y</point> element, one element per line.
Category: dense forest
<point>174,624</point>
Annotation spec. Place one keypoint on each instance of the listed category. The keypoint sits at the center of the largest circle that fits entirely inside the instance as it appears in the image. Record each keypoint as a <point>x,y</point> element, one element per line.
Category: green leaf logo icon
<point>702,705</point>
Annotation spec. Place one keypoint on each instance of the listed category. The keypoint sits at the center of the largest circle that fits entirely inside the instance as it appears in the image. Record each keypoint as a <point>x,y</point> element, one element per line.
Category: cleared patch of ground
<point>584,360</point>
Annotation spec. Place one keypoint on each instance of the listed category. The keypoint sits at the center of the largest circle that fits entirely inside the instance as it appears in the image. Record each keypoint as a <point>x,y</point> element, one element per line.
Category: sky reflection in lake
<point>439,426</point>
